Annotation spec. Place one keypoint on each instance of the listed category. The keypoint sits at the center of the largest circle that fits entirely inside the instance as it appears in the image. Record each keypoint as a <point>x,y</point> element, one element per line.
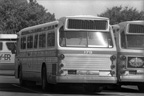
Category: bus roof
<point>38,26</point>
<point>84,16</point>
<point>23,31</point>
<point>122,25</point>
<point>132,22</point>
<point>8,36</point>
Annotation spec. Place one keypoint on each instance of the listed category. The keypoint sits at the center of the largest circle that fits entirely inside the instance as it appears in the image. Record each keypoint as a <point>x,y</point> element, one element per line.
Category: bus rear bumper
<point>132,78</point>
<point>7,66</point>
<point>86,79</point>
<point>7,72</point>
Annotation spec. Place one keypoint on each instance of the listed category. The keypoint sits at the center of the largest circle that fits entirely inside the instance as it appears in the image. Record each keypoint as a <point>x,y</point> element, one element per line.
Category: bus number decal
<point>87,52</point>
<point>5,57</point>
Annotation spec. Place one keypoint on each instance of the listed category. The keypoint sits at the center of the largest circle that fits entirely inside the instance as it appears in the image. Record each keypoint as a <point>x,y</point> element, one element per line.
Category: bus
<point>7,53</point>
<point>78,50</point>
<point>130,46</point>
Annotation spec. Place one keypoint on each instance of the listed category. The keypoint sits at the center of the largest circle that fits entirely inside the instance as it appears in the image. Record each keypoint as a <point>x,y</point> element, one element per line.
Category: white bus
<point>72,50</point>
<point>7,52</point>
<point>130,45</point>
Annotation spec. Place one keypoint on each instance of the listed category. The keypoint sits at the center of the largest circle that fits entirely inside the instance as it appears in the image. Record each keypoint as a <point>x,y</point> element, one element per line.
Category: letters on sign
<point>5,57</point>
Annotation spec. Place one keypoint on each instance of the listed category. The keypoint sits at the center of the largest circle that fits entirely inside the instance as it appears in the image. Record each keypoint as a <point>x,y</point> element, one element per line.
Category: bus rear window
<point>11,46</point>
<point>0,45</point>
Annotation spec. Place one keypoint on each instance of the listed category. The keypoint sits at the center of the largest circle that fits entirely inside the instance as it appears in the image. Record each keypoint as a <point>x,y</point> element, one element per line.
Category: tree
<point>17,15</point>
<point>119,14</point>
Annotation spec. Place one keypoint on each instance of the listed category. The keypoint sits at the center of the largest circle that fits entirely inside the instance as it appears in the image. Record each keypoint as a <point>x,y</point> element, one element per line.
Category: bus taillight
<point>122,64</point>
<point>122,61</point>
<point>61,56</point>
<point>61,65</point>
<point>122,57</point>
<point>112,72</point>
<point>113,66</point>
<point>61,72</point>
<point>113,57</point>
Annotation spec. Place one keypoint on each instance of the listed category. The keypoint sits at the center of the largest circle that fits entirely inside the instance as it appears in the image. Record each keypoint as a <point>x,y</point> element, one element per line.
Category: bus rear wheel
<point>92,88</point>
<point>44,79</point>
<point>21,81</point>
<point>98,88</point>
<point>141,88</point>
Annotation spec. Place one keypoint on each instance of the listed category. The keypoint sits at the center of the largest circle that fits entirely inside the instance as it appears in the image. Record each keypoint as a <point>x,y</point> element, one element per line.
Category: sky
<point>86,7</point>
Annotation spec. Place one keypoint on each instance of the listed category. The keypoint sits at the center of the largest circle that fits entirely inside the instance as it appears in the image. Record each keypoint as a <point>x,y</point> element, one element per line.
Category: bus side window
<point>23,43</point>
<point>51,39</point>
<point>0,45</point>
<point>123,40</point>
<point>36,41</point>
<point>42,40</point>
<point>30,42</point>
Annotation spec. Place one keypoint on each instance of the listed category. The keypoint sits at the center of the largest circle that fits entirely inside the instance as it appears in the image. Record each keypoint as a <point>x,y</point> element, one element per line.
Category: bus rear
<point>130,41</point>
<point>86,52</point>
<point>7,53</point>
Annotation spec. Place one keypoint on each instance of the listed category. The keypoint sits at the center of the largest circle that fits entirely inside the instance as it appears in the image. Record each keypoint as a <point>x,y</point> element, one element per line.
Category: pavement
<point>7,72</point>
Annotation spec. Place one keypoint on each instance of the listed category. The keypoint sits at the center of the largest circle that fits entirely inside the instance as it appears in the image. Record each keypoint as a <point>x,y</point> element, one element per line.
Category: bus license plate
<point>132,71</point>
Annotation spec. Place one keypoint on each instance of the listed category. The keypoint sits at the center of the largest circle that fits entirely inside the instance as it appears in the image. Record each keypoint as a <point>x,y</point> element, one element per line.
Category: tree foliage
<point>120,14</point>
<point>17,15</point>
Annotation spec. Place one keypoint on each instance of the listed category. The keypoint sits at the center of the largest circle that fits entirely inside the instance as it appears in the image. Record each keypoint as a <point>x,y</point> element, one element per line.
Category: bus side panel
<point>52,66</point>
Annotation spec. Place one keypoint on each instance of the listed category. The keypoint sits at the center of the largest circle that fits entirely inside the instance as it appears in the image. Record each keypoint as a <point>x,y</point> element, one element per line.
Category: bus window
<point>62,37</point>
<point>23,43</point>
<point>99,39</point>
<point>35,41</point>
<point>30,42</point>
<point>134,41</point>
<point>123,40</point>
<point>42,40</point>
<point>69,39</point>
<point>85,39</point>
<point>50,39</point>
<point>0,45</point>
<point>11,46</point>
<point>78,39</point>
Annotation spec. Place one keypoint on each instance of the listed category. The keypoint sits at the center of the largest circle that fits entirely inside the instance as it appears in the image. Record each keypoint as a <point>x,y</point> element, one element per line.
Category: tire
<point>141,88</point>
<point>89,88</point>
<point>98,88</point>
<point>118,88</point>
<point>44,79</point>
<point>21,81</point>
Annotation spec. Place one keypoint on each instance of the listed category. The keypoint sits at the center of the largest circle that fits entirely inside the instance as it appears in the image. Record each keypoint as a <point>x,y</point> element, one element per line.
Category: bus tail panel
<point>95,68</point>
<point>7,61</point>
<point>131,66</point>
<point>87,62</point>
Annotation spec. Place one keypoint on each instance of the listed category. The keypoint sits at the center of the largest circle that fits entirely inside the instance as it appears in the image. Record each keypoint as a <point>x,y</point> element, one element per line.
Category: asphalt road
<point>9,86</point>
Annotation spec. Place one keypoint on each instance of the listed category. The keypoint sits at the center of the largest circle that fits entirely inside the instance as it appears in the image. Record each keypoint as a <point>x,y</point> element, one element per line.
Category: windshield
<point>132,41</point>
<point>11,46</point>
<point>135,41</point>
<point>85,39</point>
